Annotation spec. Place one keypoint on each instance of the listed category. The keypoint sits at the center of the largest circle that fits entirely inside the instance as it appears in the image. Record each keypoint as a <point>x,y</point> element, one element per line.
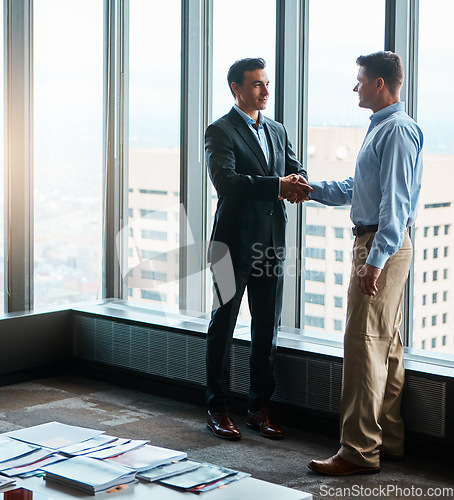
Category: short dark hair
<point>386,65</point>
<point>237,69</point>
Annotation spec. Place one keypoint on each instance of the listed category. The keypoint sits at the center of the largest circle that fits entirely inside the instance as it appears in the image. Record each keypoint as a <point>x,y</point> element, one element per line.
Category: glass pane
<point>68,110</point>
<point>154,152</point>
<point>336,129</point>
<point>2,178</point>
<point>433,316</point>
<point>259,40</point>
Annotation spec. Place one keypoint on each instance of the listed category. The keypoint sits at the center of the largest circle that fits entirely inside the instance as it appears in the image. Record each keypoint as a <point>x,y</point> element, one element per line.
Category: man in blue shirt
<point>383,195</point>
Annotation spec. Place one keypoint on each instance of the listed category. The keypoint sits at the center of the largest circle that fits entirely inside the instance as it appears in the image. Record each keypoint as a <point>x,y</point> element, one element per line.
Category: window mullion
<point>194,118</point>
<point>19,155</point>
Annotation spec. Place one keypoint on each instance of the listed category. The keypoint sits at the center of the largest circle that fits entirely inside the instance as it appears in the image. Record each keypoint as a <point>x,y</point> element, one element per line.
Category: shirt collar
<point>385,112</point>
<point>247,118</point>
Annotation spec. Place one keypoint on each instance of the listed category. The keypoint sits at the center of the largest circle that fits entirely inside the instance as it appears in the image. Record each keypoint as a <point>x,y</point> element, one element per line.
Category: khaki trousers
<point>373,370</point>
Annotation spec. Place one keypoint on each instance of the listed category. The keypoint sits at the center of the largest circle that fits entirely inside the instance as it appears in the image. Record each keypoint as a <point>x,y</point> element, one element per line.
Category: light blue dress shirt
<point>387,181</point>
<point>259,133</point>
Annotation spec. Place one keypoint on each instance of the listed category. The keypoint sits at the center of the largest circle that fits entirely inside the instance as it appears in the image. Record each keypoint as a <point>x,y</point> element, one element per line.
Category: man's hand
<point>367,279</point>
<point>295,188</point>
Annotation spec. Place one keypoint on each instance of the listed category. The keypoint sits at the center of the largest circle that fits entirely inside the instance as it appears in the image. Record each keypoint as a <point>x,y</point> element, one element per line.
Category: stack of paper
<point>9,449</point>
<point>94,444</point>
<point>88,474</point>
<point>30,469</point>
<point>54,435</point>
<point>147,457</point>
<point>16,466</point>
<point>204,478</point>
<point>5,482</point>
<point>168,470</point>
<point>117,450</point>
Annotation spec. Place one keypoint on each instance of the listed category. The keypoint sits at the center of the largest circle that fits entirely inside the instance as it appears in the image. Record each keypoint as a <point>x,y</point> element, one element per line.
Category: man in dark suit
<point>252,167</point>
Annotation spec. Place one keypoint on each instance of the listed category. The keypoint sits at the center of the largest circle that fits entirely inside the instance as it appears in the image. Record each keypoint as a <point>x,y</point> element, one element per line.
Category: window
<point>445,318</point>
<point>152,295</point>
<point>426,232</point>
<point>443,340</point>
<point>445,296</point>
<point>434,320</point>
<point>434,298</point>
<point>434,275</point>
<point>154,235</point>
<point>151,254</point>
<point>154,147</point>
<point>315,321</point>
<point>336,124</point>
<point>226,50</point>
<point>424,277</point>
<point>447,228</point>
<point>152,191</point>
<point>338,302</point>
<point>434,342</point>
<point>423,323</point>
<point>153,214</point>
<point>445,251</point>
<point>436,229</point>
<point>424,297</point>
<point>153,275</point>
<point>315,230</point>
<point>315,298</point>
<point>315,253</point>
<point>445,274</point>
<point>337,325</point>
<point>423,344</point>
<point>68,150</point>
<point>315,275</point>
<point>435,253</point>
<point>425,254</point>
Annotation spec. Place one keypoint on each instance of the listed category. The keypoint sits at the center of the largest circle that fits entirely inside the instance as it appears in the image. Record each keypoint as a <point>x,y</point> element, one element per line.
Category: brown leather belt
<point>360,230</point>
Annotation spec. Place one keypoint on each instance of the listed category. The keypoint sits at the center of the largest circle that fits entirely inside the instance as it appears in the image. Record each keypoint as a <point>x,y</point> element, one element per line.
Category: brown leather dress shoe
<point>222,425</point>
<point>262,422</point>
<point>338,466</point>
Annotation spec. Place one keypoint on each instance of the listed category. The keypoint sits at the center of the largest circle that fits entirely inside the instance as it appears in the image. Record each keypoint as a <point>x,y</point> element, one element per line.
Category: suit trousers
<point>373,370</point>
<point>264,283</point>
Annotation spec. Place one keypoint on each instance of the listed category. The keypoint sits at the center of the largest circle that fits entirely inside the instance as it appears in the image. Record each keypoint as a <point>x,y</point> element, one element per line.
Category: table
<point>246,489</point>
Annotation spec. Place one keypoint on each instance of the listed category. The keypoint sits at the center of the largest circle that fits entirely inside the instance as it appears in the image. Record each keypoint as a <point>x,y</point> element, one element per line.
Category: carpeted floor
<point>165,422</point>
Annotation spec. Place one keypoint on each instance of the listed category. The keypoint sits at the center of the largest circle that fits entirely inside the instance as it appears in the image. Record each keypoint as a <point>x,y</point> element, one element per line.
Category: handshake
<point>294,188</point>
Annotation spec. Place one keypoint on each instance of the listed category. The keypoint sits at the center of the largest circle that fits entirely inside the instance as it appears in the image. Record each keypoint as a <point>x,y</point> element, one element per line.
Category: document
<point>205,474</point>
<point>10,448</point>
<point>168,470</point>
<point>31,458</point>
<point>117,450</point>
<point>92,444</point>
<point>54,435</point>
<point>222,482</point>
<point>147,457</point>
<point>5,482</point>
<point>88,474</point>
<point>33,467</point>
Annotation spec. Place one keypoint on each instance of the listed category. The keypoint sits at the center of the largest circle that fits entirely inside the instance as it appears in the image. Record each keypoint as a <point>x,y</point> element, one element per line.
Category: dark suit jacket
<point>249,215</point>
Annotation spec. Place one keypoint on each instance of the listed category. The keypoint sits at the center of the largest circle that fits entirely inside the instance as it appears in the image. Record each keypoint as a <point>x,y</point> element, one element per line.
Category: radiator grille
<point>424,406</point>
<point>302,380</point>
